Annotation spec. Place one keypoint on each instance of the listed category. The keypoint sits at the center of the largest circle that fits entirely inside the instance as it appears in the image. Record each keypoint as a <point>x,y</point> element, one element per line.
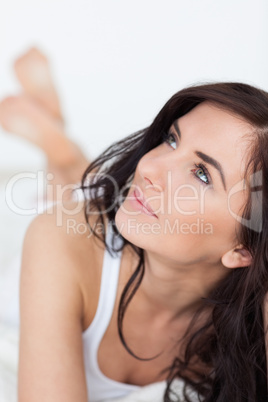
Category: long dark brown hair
<point>232,341</point>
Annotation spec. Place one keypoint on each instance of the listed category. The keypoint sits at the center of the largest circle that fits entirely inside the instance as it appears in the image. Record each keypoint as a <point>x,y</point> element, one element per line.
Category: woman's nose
<point>153,171</point>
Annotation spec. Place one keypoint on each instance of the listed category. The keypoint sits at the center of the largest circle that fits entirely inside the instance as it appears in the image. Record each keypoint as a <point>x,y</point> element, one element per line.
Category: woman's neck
<point>176,291</point>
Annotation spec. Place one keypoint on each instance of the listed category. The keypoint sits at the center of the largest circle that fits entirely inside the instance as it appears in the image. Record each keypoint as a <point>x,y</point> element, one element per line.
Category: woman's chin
<point>126,226</point>
<point>121,222</point>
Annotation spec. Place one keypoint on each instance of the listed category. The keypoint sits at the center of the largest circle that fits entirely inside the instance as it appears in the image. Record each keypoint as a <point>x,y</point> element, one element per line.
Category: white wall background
<point>116,61</point>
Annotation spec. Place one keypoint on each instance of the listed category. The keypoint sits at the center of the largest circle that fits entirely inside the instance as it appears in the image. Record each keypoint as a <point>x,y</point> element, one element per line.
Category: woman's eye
<point>170,139</point>
<point>201,173</point>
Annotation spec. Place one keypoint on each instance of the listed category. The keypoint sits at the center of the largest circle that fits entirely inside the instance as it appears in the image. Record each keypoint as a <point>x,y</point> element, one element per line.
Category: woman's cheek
<point>189,200</point>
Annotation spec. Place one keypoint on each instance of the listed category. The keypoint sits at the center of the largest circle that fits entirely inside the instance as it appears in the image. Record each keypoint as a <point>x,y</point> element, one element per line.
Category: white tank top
<point>99,386</point>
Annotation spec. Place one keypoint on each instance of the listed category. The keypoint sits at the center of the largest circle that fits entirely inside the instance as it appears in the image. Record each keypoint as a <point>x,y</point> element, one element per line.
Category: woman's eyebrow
<point>204,157</point>
<point>177,129</point>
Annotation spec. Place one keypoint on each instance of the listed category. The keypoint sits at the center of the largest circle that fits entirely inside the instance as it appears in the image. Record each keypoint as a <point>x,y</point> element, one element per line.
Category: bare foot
<point>33,72</point>
<point>22,116</point>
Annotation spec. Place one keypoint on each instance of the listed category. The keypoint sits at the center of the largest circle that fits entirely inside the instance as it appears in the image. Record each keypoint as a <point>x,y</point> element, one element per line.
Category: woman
<point>161,273</point>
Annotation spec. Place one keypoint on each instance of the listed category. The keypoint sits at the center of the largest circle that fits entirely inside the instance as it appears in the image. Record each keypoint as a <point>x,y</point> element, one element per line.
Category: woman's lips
<point>141,200</point>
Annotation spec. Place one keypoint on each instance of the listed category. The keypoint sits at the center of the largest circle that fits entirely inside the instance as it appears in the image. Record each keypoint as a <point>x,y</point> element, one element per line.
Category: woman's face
<point>184,197</point>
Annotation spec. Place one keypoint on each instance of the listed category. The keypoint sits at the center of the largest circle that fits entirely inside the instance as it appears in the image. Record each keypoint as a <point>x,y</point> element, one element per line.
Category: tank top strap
<point>108,290</point>
<point>99,386</point>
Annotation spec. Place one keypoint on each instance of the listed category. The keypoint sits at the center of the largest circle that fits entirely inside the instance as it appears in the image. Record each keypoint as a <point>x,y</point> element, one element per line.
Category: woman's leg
<point>34,74</point>
<point>36,116</point>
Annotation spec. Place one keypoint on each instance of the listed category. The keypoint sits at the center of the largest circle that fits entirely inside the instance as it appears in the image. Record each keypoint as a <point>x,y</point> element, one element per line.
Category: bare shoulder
<point>61,237</point>
<point>48,262</point>
<point>64,231</point>
<point>65,221</point>
<point>56,293</point>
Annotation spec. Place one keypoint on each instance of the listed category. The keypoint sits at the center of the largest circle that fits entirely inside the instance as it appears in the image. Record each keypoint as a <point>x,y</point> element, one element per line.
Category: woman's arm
<point>51,367</point>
